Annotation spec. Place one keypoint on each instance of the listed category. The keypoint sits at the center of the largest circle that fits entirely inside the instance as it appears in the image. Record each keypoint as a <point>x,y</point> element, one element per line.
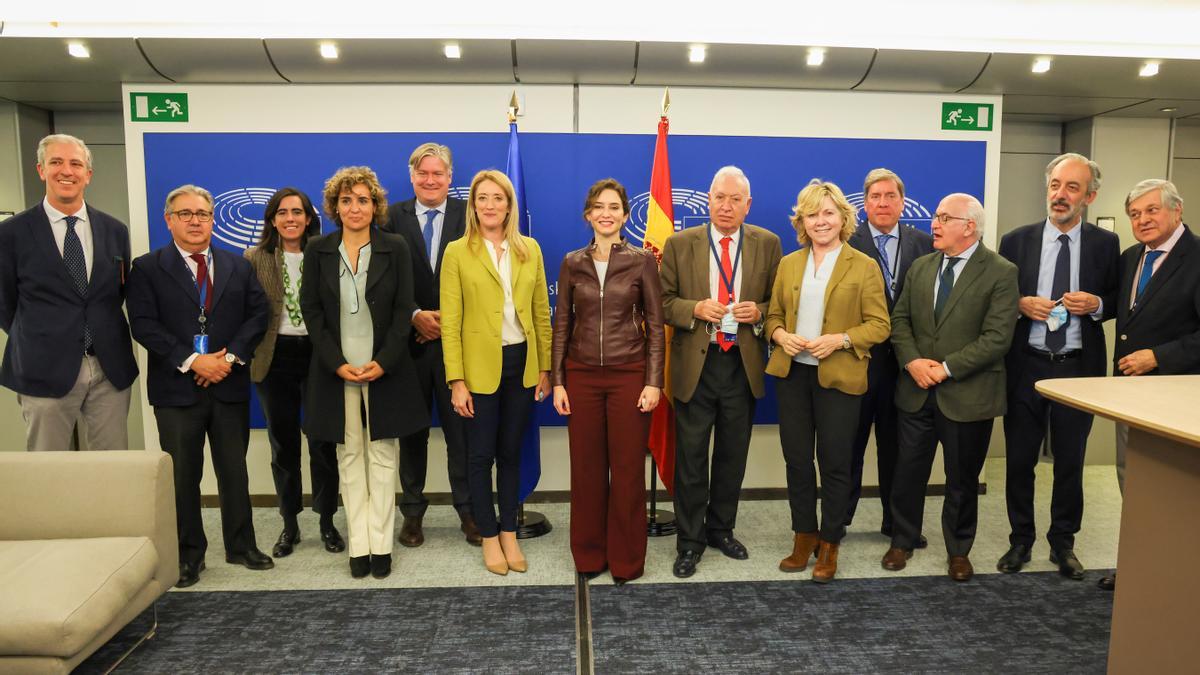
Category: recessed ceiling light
<point>696,53</point>
<point>78,50</point>
<point>1149,70</point>
<point>452,51</point>
<point>816,56</point>
<point>1041,65</point>
<point>1168,109</point>
<point>329,50</point>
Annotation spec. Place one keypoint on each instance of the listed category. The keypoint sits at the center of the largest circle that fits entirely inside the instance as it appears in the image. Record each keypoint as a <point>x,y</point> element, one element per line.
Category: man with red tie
<point>716,285</point>
<point>199,311</point>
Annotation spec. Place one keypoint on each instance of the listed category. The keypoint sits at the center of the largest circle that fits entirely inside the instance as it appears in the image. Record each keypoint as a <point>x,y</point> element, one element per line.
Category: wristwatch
<point>845,341</point>
<point>230,358</point>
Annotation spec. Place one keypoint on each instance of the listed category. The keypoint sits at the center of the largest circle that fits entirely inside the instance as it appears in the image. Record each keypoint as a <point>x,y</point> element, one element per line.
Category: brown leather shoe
<point>960,568</point>
<point>470,530</point>
<point>411,534</point>
<point>826,565</point>
<point>804,546</point>
<point>896,558</point>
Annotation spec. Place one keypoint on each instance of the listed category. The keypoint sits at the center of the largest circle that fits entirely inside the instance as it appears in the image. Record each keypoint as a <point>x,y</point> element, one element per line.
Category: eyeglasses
<point>200,216</point>
<point>944,218</point>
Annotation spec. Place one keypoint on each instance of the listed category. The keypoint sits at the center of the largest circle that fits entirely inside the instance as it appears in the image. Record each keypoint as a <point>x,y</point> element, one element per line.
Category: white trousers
<point>368,476</point>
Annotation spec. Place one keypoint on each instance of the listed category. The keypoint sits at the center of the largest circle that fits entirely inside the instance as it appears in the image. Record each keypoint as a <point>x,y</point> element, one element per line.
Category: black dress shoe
<point>287,541</point>
<point>1108,583</point>
<point>685,564</point>
<point>360,566</point>
<point>333,540</point>
<point>381,565</point>
<point>1014,559</point>
<point>1068,565</point>
<point>252,559</point>
<point>189,574</point>
<point>732,548</point>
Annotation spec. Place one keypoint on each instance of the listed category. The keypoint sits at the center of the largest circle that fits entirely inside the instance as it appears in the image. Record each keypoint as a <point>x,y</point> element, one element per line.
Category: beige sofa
<point>87,542</point>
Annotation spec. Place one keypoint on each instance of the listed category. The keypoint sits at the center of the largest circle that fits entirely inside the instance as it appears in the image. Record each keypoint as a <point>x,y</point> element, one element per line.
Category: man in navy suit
<point>199,311</point>
<point>428,222</point>
<point>62,282</point>
<point>1067,276</point>
<point>1158,301</point>
<point>894,246</point>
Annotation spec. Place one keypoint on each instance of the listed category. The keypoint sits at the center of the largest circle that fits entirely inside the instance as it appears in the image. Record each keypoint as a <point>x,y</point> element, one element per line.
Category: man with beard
<point>1067,276</point>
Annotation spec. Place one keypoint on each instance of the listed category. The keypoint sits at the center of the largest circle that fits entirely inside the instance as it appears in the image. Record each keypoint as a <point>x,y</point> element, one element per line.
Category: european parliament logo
<point>690,208</point>
<point>237,215</point>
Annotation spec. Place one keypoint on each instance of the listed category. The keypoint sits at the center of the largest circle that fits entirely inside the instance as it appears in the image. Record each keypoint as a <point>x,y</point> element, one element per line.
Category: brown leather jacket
<point>622,323</point>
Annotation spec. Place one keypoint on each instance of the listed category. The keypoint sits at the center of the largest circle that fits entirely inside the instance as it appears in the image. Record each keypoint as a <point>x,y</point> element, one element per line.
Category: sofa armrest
<point>75,495</point>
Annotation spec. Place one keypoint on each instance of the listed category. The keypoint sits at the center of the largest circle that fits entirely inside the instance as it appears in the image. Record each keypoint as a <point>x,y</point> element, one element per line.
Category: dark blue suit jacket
<point>44,315</point>
<point>164,310</point>
<point>912,245</point>
<point>1167,317</point>
<point>1098,255</point>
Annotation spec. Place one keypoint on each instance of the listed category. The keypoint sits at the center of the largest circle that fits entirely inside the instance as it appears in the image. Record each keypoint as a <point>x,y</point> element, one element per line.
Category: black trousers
<point>1029,416</point>
<point>878,409</point>
<point>414,448</point>
<point>494,436</point>
<point>181,433</point>
<point>811,415</point>
<point>722,407</point>
<point>964,448</point>
<point>282,396</point>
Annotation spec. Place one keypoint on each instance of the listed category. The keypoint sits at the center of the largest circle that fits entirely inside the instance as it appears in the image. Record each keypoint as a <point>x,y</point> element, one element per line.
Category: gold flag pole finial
<point>513,107</point>
<point>666,100</point>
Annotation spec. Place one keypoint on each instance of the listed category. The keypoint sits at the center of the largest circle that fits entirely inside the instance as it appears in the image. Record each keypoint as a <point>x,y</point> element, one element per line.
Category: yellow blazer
<point>472,305</point>
<point>854,305</point>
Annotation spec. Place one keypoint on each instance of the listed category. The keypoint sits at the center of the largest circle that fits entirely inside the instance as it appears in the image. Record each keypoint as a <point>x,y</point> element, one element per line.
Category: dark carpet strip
<point>1022,623</point>
<point>430,630</point>
<point>583,627</point>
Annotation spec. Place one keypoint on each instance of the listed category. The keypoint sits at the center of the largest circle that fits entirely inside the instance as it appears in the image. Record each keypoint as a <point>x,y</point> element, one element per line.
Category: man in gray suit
<point>951,329</point>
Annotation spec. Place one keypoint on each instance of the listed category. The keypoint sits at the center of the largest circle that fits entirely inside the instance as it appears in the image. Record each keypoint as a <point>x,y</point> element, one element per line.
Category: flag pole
<point>530,524</point>
<point>660,523</point>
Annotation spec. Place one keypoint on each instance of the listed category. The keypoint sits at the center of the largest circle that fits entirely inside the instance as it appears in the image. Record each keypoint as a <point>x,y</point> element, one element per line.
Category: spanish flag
<point>660,224</point>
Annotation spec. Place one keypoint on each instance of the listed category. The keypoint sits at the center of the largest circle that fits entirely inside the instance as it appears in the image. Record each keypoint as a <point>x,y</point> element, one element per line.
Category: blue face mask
<point>1057,319</point>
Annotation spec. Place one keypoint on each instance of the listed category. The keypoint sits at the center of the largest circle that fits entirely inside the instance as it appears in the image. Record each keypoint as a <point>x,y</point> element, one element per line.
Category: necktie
<point>1057,339</point>
<point>881,243</point>
<point>723,295</point>
<point>1147,272</point>
<point>203,283</point>
<point>73,257</point>
<point>944,288</point>
<point>428,232</point>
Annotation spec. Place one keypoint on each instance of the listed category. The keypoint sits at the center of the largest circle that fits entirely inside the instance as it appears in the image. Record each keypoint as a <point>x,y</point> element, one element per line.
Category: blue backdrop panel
<point>243,169</point>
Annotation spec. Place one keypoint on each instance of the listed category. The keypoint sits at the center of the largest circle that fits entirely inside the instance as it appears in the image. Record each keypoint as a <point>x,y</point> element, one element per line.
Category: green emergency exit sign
<point>154,107</point>
<point>967,116</point>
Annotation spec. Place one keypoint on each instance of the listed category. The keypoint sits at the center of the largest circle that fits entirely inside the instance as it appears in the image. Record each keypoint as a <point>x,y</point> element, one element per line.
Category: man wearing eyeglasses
<point>1068,285</point>
<point>199,311</point>
<point>951,329</point>
<point>63,265</point>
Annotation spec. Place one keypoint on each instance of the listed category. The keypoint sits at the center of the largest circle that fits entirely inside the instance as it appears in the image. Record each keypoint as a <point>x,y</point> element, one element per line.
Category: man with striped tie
<point>1158,302</point>
<point>63,265</point>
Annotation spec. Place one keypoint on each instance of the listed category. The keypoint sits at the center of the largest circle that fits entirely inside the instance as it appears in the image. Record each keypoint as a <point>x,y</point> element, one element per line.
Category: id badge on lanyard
<point>729,325</point>
<point>200,340</point>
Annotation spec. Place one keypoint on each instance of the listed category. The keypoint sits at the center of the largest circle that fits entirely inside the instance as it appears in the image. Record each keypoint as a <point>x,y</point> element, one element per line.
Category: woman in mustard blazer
<point>827,311</point>
<point>496,347</point>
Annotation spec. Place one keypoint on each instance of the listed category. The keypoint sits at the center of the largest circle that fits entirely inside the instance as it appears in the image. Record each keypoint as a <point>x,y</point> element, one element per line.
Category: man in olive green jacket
<point>951,329</point>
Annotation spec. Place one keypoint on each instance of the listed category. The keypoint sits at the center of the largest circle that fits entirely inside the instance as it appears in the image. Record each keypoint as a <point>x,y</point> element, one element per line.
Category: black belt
<point>291,338</point>
<point>1051,356</point>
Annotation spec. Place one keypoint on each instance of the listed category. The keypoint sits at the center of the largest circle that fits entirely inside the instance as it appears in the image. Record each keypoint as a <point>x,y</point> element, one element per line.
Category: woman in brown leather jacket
<point>608,375</point>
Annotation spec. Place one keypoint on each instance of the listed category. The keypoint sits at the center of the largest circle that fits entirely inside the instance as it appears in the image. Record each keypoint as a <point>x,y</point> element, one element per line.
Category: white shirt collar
<point>422,209</point>
<point>1171,241</point>
<point>966,255</point>
<point>55,215</point>
<point>875,232</point>
<point>1051,233</point>
<point>717,235</point>
<point>187,255</point>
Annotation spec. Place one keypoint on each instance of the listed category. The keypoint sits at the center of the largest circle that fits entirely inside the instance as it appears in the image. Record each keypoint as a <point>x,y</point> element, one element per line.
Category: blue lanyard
<point>202,289</point>
<point>728,282</point>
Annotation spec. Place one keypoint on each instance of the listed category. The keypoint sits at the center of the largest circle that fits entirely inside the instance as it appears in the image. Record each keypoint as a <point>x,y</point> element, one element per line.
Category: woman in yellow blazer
<point>496,346</point>
<point>827,311</point>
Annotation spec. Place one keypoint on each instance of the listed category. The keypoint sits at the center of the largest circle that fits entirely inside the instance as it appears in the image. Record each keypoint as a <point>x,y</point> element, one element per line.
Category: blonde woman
<point>355,294</point>
<point>827,311</point>
<point>496,347</point>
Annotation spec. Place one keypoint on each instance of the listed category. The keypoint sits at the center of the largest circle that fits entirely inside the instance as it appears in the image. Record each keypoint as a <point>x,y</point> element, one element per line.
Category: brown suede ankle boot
<point>826,565</point>
<point>804,546</point>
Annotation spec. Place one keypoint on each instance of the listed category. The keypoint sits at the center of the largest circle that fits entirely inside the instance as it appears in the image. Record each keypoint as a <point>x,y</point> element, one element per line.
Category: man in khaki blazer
<point>716,375</point>
<point>951,329</point>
